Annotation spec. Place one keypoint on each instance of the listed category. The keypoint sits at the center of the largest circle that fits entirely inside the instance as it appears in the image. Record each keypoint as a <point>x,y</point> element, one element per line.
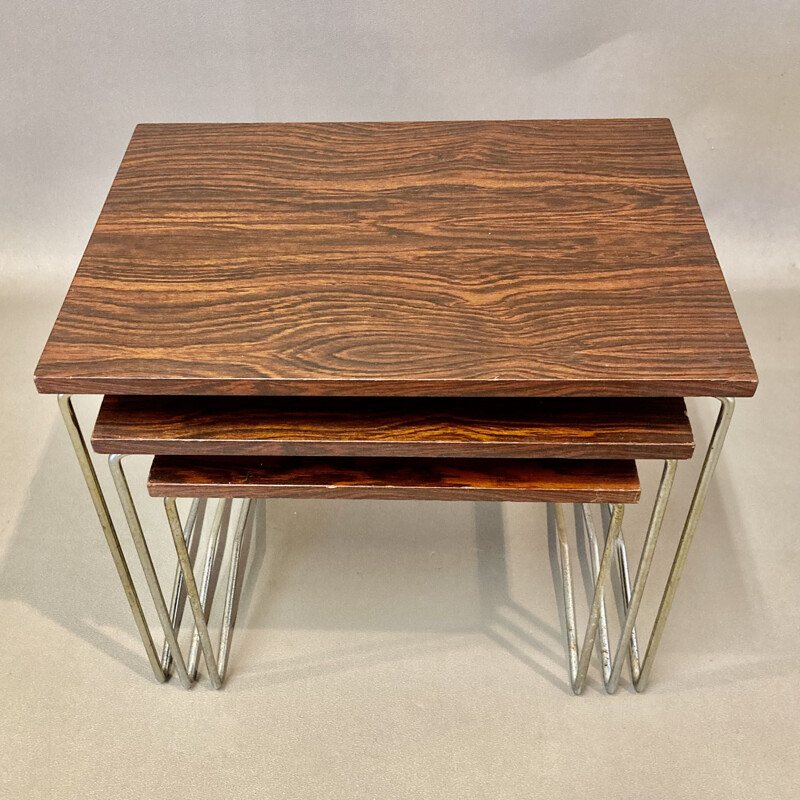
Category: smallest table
<point>556,481</point>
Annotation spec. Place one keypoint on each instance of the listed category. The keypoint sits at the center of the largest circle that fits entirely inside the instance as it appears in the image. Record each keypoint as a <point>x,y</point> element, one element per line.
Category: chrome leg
<point>625,586</point>
<point>689,527</point>
<point>594,559</point>
<point>632,596</point>
<point>633,601</point>
<point>128,507</point>
<point>106,523</point>
<point>579,659</point>
<point>597,599</point>
<point>191,590</point>
<point>178,599</point>
<point>566,584</point>
<point>221,518</point>
<point>199,602</point>
<point>229,617</point>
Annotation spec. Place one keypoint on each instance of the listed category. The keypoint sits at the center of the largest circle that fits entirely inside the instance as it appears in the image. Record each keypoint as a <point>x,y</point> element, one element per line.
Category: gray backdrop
<point>400,650</point>
<point>77,76</point>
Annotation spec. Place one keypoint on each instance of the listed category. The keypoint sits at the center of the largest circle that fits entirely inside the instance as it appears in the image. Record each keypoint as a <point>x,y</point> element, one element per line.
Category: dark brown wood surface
<point>410,426</point>
<point>396,478</point>
<point>455,258</point>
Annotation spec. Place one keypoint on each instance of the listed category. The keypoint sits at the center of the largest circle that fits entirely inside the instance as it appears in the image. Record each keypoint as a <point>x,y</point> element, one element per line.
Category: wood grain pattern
<point>399,427</point>
<point>396,478</point>
<point>528,258</point>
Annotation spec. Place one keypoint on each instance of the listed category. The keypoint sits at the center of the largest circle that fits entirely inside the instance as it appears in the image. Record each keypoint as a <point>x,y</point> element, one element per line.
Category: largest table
<point>446,259</point>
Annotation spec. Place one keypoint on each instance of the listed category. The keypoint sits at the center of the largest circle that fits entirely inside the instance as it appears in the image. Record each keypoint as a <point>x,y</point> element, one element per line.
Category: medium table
<point>440,261</point>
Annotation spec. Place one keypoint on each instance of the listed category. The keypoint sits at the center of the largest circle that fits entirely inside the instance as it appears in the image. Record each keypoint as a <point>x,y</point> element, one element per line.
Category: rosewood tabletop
<point>454,427</point>
<point>527,258</point>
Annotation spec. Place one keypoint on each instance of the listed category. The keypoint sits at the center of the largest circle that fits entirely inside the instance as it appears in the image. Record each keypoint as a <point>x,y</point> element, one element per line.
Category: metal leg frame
<point>198,601</point>
<point>178,600</point>
<point>137,534</point>
<point>632,596</point>
<point>221,518</point>
<point>579,659</point>
<point>184,584</point>
<point>107,524</point>
<point>689,527</point>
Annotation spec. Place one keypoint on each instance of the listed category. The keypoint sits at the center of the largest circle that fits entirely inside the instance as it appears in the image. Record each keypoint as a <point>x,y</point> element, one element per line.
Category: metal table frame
<point>185,584</point>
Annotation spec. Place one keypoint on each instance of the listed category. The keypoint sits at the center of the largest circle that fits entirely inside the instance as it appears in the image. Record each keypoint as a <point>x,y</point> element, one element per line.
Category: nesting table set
<point>482,311</point>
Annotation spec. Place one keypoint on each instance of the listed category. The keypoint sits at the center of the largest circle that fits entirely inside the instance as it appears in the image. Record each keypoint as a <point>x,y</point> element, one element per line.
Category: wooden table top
<point>453,427</point>
<point>516,479</point>
<point>528,258</point>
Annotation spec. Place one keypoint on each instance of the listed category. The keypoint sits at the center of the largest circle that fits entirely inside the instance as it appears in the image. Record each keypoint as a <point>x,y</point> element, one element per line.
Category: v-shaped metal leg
<point>689,527</point>
<point>632,595</point>
<point>199,603</point>
<point>600,567</point>
<point>178,600</point>
<point>109,531</point>
<point>139,541</point>
<point>221,520</point>
<point>579,658</point>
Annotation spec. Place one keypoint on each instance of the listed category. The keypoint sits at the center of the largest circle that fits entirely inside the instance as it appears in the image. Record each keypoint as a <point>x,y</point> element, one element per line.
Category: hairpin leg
<point>191,590</point>
<point>632,596</point>
<point>689,527</point>
<point>566,585</point>
<point>128,507</point>
<point>640,670</point>
<point>625,586</point>
<point>579,659</point>
<point>594,559</point>
<point>178,599</point>
<point>221,517</point>
<point>106,523</point>
<point>200,605</point>
<point>229,617</point>
<point>633,600</point>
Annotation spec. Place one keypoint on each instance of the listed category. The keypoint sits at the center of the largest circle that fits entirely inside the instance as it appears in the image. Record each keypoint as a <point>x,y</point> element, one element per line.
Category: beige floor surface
<point>392,650</point>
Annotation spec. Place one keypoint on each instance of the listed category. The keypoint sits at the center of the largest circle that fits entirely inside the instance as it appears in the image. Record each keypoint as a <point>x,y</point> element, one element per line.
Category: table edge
<point>701,387</point>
